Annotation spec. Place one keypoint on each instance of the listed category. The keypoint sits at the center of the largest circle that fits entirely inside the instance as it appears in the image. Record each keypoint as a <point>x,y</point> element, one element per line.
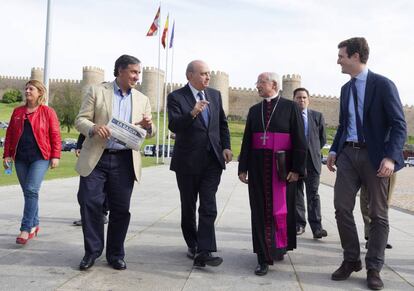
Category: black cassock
<point>285,127</point>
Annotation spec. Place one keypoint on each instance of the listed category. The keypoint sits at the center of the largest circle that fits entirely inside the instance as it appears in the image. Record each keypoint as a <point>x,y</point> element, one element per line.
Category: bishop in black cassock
<point>272,158</point>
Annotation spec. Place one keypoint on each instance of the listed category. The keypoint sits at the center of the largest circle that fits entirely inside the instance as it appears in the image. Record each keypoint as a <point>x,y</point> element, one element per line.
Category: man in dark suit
<point>367,150</point>
<point>202,146</point>
<point>314,124</point>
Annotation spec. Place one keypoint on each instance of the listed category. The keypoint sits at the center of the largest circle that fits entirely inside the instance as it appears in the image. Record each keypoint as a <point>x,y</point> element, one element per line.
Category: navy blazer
<point>191,135</point>
<point>316,137</point>
<point>384,125</point>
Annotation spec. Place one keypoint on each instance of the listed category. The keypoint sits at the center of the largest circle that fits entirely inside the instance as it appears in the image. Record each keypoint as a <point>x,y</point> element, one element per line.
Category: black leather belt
<point>112,151</point>
<point>356,145</point>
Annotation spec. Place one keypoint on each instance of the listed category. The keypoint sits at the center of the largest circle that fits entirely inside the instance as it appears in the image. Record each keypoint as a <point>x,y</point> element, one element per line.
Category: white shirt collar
<point>195,91</point>
<point>363,75</point>
<point>268,99</point>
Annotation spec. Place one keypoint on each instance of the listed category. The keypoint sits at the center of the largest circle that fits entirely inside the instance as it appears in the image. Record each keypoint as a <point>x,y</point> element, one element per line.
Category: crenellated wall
<point>241,99</point>
<point>236,101</point>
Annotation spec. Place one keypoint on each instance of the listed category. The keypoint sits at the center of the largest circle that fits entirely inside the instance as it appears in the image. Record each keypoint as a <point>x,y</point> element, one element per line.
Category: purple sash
<point>276,142</point>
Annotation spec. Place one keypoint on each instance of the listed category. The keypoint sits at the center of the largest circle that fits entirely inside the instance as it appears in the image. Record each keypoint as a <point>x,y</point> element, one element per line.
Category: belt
<point>356,145</point>
<point>113,151</point>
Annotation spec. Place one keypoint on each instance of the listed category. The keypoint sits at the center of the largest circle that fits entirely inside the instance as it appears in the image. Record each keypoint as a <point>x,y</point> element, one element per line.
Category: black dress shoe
<point>118,264</point>
<point>300,230</point>
<point>206,258</point>
<point>320,233</point>
<point>191,253</point>
<point>374,281</point>
<point>261,269</point>
<point>87,262</point>
<point>345,270</point>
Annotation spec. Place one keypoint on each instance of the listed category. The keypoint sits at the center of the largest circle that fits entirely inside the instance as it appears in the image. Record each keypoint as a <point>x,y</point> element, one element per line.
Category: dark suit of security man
<point>314,125</point>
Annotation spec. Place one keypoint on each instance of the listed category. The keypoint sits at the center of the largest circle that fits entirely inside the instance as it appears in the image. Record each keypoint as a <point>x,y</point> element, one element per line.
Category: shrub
<point>12,95</point>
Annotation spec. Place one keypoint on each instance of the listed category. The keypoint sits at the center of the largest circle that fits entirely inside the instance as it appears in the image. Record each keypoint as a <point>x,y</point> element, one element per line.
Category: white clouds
<point>239,37</point>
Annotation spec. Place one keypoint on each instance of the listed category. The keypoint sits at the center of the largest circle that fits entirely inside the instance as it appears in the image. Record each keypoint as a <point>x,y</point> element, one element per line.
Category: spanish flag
<point>155,24</point>
<point>165,32</point>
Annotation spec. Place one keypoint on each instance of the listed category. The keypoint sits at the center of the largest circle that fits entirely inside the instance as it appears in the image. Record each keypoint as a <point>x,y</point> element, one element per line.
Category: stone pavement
<point>155,250</point>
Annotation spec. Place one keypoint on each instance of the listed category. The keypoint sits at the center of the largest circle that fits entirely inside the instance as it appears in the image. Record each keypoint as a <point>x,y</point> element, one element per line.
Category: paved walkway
<point>156,251</point>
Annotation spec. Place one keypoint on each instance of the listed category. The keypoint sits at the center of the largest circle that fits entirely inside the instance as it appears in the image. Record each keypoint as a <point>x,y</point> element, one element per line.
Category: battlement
<point>92,68</point>
<point>242,89</point>
<point>219,73</point>
<point>319,96</point>
<point>37,69</point>
<point>14,78</point>
<point>152,69</point>
<point>292,77</point>
<point>64,81</point>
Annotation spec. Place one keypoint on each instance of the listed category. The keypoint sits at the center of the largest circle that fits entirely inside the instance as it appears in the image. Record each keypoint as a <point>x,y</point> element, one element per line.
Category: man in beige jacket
<point>105,164</point>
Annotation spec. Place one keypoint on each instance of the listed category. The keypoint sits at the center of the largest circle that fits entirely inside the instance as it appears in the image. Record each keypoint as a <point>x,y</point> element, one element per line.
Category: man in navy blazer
<point>367,150</point>
<point>202,147</point>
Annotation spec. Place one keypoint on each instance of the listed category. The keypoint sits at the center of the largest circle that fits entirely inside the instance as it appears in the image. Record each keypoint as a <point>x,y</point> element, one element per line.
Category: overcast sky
<point>240,37</point>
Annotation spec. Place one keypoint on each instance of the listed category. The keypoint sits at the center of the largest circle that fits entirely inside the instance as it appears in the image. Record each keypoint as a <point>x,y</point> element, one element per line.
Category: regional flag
<point>172,35</point>
<point>165,32</point>
<point>155,24</point>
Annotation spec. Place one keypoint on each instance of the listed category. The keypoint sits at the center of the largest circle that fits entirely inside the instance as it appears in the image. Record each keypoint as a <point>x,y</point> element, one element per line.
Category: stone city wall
<point>236,101</point>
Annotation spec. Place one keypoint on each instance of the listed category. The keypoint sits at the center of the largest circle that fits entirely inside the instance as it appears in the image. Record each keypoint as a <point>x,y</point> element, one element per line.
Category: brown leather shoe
<point>374,281</point>
<point>345,270</point>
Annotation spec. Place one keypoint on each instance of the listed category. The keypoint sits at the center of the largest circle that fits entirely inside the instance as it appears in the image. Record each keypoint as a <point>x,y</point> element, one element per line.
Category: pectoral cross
<point>264,138</point>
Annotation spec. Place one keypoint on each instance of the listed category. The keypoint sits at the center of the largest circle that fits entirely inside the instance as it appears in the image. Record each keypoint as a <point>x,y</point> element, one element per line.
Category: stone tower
<point>290,83</point>
<point>37,74</point>
<point>149,86</point>
<point>220,81</point>
<point>91,76</point>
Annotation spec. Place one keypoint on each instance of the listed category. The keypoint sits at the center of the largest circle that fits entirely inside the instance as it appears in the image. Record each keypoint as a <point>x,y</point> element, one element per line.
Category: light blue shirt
<point>305,122</point>
<point>360,84</point>
<point>122,110</point>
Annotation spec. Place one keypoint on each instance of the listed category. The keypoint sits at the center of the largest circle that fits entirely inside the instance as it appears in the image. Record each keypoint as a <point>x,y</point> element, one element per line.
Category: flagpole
<point>172,69</point>
<point>165,91</point>
<point>47,49</point>
<point>158,90</point>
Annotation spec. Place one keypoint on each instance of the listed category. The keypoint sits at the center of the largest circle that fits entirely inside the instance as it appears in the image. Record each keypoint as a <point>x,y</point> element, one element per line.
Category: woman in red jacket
<point>33,142</point>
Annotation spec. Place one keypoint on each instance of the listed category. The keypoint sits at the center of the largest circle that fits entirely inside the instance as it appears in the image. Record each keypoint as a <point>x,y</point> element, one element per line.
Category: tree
<point>66,104</point>
<point>11,96</point>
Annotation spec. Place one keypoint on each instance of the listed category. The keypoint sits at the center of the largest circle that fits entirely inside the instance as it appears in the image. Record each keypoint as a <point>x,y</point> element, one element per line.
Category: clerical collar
<point>268,99</point>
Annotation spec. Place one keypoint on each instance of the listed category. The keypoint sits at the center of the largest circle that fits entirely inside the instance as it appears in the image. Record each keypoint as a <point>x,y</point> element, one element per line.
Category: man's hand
<point>102,130</point>
<point>228,155</point>
<point>243,177</point>
<point>386,168</point>
<point>146,122</point>
<point>292,177</point>
<point>77,153</point>
<point>54,163</point>
<point>199,107</point>
<point>330,162</point>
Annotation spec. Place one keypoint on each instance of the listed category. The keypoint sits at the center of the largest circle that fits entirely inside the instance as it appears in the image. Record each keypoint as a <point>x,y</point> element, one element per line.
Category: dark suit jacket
<point>384,126</point>
<point>317,137</point>
<point>191,135</point>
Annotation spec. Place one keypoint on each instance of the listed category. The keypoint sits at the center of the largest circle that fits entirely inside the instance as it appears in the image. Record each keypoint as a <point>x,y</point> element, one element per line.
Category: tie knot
<point>200,95</point>
<point>353,80</point>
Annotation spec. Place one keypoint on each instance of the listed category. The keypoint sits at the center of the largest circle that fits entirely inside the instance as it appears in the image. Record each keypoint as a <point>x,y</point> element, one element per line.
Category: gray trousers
<point>364,203</point>
<point>354,169</point>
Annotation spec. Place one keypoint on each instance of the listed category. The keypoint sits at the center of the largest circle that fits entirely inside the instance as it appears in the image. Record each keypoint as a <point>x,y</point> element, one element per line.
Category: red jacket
<point>46,131</point>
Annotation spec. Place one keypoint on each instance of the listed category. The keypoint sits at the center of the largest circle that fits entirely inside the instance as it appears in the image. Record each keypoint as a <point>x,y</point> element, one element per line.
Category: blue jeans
<point>30,177</point>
